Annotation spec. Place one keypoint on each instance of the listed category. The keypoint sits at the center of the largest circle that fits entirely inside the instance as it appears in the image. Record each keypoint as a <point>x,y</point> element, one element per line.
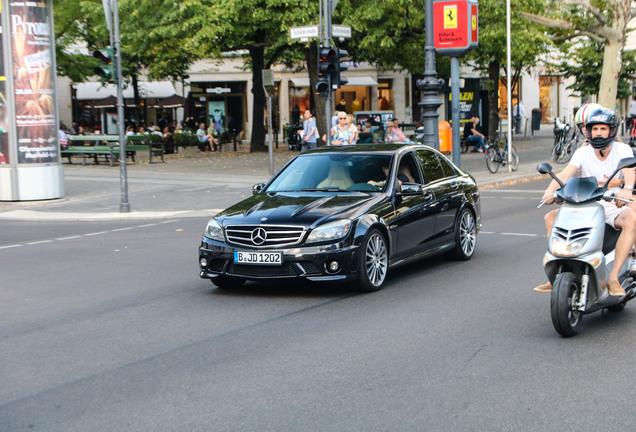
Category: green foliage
<point>588,67</point>
<point>185,139</point>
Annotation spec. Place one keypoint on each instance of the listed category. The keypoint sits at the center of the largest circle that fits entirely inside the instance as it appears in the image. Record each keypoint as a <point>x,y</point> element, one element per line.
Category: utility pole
<point>124,205</point>
<point>430,85</point>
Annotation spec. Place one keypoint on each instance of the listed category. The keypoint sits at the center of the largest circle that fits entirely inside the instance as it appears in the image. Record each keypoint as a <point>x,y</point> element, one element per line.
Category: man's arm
<point>477,133</point>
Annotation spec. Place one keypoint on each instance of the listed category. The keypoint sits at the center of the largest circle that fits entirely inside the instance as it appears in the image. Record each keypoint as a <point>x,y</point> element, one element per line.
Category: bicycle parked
<point>566,141</point>
<point>497,154</point>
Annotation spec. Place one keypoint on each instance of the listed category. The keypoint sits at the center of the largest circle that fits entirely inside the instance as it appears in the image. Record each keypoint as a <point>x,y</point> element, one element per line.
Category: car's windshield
<point>334,171</point>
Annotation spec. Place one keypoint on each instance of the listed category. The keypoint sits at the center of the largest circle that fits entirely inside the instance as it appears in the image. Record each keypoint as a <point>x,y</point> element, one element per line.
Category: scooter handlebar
<point>611,196</point>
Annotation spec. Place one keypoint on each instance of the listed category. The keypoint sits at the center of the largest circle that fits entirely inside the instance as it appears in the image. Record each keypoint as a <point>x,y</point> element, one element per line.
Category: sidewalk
<point>191,184</point>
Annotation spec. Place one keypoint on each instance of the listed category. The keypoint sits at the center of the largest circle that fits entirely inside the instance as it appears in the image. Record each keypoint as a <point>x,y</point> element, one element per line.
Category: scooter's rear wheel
<point>566,292</point>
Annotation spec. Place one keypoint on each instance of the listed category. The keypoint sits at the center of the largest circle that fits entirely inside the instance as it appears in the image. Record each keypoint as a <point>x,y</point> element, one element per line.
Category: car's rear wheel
<point>373,263</point>
<point>228,282</point>
<point>465,235</point>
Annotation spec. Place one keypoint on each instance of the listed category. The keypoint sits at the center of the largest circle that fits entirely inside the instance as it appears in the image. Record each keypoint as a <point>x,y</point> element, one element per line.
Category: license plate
<point>260,258</point>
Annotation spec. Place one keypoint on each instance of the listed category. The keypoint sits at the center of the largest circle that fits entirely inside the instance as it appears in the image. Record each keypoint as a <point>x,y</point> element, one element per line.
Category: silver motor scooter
<point>580,252</point>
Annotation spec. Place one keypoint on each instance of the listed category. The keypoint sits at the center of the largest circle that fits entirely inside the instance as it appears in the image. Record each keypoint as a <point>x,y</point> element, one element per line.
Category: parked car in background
<point>345,214</point>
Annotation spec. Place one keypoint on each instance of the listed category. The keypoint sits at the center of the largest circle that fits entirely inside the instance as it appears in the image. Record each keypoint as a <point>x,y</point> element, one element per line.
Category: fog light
<point>203,262</point>
<point>333,266</point>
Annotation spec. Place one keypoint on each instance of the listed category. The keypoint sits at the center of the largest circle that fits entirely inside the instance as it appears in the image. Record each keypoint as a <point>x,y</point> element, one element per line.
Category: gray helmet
<point>601,116</point>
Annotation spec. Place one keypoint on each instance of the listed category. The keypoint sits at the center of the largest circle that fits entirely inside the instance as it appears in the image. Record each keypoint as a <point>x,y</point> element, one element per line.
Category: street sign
<point>218,90</point>
<point>455,30</point>
<point>341,31</point>
<point>304,32</point>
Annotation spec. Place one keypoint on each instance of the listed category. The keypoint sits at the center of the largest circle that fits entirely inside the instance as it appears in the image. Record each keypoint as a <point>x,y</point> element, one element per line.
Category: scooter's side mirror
<point>629,162</point>
<point>544,168</point>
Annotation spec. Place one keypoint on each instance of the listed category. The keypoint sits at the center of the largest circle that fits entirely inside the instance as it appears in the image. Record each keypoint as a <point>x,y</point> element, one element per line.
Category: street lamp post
<point>430,85</point>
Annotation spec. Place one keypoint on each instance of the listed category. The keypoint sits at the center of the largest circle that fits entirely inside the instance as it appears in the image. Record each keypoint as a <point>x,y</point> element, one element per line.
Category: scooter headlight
<point>562,247</point>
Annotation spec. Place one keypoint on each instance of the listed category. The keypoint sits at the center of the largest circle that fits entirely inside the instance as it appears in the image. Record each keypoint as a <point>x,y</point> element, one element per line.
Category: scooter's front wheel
<point>566,292</point>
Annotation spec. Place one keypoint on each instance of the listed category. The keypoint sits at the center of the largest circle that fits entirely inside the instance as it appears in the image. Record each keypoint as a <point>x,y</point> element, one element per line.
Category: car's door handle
<point>455,185</point>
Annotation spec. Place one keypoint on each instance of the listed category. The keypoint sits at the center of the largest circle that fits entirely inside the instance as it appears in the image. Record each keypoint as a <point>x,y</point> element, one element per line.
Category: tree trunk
<point>319,111</point>
<point>613,54</point>
<point>257,141</point>
<point>493,98</point>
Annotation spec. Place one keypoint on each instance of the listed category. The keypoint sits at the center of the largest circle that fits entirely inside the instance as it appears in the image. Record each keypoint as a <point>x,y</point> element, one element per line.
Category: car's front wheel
<point>465,235</point>
<point>228,282</point>
<point>373,263</point>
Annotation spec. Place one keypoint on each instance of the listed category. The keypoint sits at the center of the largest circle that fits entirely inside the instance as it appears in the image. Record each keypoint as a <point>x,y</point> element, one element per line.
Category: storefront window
<point>385,94</point>
<point>299,101</point>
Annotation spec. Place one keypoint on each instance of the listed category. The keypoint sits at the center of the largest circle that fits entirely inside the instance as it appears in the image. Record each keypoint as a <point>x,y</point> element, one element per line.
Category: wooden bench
<point>92,146</point>
<point>145,143</point>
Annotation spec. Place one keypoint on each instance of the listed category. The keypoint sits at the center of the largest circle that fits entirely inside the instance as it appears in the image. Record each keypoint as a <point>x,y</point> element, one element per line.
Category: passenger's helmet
<point>581,115</point>
<point>601,116</point>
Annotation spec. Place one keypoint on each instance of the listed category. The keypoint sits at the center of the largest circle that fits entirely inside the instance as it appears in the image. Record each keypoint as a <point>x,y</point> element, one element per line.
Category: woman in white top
<point>340,134</point>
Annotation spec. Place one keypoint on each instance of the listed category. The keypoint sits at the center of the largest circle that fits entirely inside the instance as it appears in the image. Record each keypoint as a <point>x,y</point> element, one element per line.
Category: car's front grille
<point>264,236</point>
<point>285,270</point>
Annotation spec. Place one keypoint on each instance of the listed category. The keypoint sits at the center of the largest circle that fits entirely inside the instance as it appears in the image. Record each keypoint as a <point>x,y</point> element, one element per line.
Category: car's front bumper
<point>305,262</point>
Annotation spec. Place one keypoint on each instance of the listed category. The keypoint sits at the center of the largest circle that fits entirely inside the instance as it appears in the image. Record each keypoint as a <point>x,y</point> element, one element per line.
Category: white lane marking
<point>68,238</point>
<point>520,234</point>
<point>86,235</point>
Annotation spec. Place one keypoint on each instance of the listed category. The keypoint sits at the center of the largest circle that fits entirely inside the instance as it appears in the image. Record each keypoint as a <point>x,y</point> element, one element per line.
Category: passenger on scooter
<point>599,160</point>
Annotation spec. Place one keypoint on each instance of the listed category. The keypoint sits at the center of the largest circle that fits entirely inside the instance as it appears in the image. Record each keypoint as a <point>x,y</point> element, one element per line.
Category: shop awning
<point>353,81</point>
<point>147,89</point>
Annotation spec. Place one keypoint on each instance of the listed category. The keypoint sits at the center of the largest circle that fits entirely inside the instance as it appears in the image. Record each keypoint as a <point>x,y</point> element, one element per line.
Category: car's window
<point>407,169</point>
<point>333,171</point>
<point>430,165</point>
<point>449,171</point>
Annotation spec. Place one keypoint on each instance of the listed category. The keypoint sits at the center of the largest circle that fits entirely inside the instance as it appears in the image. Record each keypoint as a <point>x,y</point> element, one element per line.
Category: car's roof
<point>366,148</point>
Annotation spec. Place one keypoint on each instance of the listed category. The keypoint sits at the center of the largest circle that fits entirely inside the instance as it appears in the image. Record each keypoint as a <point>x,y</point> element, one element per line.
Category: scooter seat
<point>610,238</point>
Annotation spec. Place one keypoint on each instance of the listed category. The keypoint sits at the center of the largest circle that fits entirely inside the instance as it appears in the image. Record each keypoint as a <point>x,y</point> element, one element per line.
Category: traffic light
<point>106,69</point>
<point>326,66</point>
<point>337,80</point>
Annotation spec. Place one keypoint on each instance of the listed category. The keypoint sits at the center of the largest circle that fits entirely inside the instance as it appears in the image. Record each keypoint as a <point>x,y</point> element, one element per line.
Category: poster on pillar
<point>4,114</point>
<point>216,111</point>
<point>33,81</point>
<point>468,100</point>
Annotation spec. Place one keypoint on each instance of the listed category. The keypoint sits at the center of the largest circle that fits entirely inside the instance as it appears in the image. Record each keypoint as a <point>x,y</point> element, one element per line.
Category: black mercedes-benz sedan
<point>345,213</point>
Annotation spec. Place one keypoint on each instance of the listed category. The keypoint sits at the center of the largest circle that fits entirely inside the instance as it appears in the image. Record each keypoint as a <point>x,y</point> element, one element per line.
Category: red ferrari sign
<point>455,26</point>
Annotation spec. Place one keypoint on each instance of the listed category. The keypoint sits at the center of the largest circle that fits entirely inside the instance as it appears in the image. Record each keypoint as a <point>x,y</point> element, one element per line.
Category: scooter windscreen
<point>579,190</point>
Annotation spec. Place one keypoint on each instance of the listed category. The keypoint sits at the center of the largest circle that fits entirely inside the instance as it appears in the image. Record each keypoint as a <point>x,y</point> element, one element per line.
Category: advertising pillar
<point>30,166</point>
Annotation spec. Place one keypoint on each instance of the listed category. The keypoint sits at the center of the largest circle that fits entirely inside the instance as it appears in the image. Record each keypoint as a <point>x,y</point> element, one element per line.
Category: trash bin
<point>536,119</point>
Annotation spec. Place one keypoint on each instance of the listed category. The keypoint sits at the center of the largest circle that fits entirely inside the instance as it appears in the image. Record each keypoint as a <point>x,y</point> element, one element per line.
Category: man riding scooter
<point>600,159</point>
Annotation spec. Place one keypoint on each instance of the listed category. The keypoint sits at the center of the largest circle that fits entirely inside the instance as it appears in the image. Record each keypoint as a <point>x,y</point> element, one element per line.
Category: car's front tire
<point>465,235</point>
<point>373,263</point>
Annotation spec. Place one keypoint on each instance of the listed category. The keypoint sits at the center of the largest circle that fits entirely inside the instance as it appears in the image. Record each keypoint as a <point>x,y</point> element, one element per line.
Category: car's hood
<point>295,208</point>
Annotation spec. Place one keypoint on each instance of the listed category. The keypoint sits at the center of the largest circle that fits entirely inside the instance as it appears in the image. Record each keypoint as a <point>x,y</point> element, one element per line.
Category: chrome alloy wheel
<point>467,233</point>
<point>376,259</point>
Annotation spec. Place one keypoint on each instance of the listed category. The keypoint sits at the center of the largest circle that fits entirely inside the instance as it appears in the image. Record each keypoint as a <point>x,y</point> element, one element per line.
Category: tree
<point>527,44</point>
<point>602,21</point>
<point>256,27</point>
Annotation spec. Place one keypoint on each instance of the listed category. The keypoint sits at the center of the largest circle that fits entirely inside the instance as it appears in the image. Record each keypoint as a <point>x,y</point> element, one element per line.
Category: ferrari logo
<point>450,16</point>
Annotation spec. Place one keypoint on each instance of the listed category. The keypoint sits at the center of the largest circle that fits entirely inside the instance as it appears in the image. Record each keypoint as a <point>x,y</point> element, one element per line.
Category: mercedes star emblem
<point>259,235</point>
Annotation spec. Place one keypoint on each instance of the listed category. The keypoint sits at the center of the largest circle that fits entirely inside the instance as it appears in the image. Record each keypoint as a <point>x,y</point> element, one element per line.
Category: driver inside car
<point>600,159</point>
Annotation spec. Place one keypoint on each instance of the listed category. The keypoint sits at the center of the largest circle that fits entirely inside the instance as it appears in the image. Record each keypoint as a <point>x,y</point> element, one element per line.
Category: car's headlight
<point>214,230</point>
<point>330,231</point>
<point>563,248</point>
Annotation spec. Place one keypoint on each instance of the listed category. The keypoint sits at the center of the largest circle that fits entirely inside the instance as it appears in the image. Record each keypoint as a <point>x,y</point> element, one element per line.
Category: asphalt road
<point>106,326</point>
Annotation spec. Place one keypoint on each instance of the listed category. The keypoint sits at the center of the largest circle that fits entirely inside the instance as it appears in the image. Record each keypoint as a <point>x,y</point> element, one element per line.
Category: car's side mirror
<point>257,188</point>
<point>410,189</point>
